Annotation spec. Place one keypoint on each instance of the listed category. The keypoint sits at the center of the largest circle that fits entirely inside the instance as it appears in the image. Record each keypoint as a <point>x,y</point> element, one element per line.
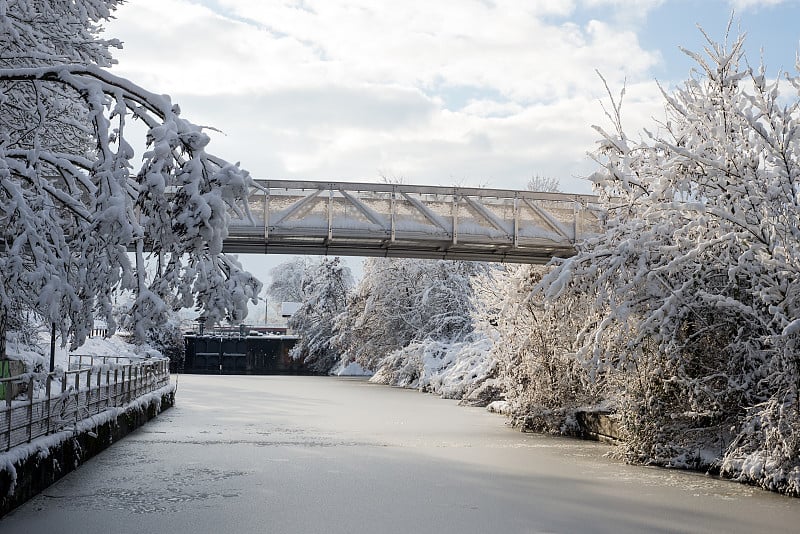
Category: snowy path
<point>306,454</point>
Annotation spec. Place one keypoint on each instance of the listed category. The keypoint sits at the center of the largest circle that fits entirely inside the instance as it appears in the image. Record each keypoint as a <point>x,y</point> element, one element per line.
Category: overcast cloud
<point>468,92</point>
<point>473,92</point>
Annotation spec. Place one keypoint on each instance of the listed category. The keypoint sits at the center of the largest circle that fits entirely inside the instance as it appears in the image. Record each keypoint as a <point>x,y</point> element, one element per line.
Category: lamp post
<point>53,348</point>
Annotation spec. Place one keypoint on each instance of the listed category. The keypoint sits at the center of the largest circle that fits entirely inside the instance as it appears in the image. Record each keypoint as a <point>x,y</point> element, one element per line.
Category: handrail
<point>94,360</point>
<point>59,400</point>
<point>264,185</point>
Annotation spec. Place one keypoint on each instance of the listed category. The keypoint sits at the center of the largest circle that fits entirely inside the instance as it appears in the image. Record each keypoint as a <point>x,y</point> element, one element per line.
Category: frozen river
<point>325,455</point>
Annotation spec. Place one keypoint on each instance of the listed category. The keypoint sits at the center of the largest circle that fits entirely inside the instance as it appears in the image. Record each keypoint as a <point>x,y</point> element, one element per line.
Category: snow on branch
<point>73,203</point>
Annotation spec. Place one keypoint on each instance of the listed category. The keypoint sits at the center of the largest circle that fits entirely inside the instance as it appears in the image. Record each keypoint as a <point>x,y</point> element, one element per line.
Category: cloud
<point>432,147</point>
<point>367,108</point>
<point>627,12</point>
<point>744,5</point>
<point>453,91</point>
<point>505,45</point>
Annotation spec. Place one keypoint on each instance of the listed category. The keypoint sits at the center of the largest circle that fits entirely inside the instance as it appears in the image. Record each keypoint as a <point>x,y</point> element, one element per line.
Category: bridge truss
<point>399,220</point>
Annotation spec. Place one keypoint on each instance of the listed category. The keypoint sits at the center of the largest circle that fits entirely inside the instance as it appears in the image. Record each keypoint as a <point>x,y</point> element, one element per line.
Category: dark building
<point>234,354</point>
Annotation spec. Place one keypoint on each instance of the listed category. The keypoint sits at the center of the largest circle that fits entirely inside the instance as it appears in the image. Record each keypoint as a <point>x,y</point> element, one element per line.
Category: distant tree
<point>165,337</point>
<point>390,178</point>
<point>544,184</point>
<point>71,206</point>
<point>399,301</point>
<point>325,290</point>
<point>289,278</point>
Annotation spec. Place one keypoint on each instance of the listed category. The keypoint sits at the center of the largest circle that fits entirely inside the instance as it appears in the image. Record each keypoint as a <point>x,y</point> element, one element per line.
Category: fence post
<point>89,391</point>
<point>77,396</point>
<point>130,377</point>
<point>8,415</point>
<point>30,409</point>
<point>99,390</point>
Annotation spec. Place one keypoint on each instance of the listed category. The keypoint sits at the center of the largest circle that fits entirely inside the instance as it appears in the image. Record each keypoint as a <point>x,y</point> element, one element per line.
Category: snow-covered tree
<point>548,184</point>
<point>325,289</point>
<point>71,203</point>
<point>399,306</point>
<point>288,279</point>
<point>532,354</point>
<point>166,337</point>
<point>696,282</point>
<point>534,349</point>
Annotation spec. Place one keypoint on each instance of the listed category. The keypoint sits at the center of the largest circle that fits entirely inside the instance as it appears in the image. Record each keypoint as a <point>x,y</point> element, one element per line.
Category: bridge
<point>399,220</point>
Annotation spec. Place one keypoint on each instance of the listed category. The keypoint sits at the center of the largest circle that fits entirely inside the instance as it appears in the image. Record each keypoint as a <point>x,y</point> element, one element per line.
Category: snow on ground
<point>113,346</point>
<point>350,369</point>
<point>500,407</point>
<point>450,369</point>
<point>38,355</point>
<point>32,355</point>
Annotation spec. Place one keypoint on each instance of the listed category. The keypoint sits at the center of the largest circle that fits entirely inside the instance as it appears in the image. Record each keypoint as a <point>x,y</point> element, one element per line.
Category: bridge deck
<point>398,220</point>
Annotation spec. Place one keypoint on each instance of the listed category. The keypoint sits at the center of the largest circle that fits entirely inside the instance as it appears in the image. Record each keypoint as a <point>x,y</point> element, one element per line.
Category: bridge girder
<point>400,220</point>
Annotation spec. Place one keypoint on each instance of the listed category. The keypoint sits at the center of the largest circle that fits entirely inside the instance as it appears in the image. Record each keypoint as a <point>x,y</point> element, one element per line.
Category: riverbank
<point>28,469</point>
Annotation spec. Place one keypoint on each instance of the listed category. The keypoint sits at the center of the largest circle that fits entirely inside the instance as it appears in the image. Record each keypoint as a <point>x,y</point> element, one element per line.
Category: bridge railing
<point>347,216</point>
<point>60,400</point>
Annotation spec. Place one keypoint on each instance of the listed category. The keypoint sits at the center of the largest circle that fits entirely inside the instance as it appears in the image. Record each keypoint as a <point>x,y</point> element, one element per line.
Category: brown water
<point>312,454</point>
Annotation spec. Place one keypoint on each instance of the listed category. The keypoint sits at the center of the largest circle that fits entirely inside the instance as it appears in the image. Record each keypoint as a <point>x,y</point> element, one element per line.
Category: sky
<point>451,92</point>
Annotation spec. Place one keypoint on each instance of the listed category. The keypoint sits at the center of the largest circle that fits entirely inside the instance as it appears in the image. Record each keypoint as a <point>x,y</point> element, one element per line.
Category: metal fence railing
<point>51,402</point>
<point>83,361</point>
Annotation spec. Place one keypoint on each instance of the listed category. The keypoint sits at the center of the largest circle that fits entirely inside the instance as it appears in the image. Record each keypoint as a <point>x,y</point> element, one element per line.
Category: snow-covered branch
<point>72,203</point>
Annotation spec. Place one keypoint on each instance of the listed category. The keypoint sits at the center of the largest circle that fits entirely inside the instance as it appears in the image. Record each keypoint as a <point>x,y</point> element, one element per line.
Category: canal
<point>286,454</point>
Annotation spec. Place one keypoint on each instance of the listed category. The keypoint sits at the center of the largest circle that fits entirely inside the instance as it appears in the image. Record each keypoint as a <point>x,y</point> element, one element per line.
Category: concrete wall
<point>600,426</point>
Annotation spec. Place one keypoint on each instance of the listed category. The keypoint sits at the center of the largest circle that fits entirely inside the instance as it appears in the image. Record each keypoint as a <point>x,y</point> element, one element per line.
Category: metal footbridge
<point>399,220</point>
